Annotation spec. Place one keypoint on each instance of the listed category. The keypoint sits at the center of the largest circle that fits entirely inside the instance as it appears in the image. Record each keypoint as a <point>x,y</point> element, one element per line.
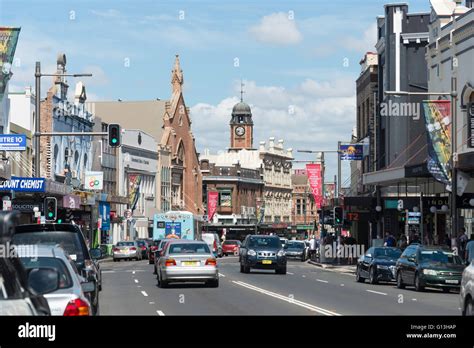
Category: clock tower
<point>241,127</point>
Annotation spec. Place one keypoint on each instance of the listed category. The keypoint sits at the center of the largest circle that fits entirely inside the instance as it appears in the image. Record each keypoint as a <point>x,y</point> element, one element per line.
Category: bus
<point>177,224</point>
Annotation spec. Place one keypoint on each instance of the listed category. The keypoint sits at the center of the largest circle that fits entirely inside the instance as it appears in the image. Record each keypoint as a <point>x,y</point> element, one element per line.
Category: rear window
<point>65,280</point>
<point>189,248</point>
<point>125,244</point>
<point>293,245</point>
<point>268,242</point>
<point>230,242</point>
<point>69,241</point>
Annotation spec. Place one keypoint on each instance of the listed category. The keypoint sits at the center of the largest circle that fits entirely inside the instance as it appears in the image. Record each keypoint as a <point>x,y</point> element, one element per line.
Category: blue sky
<point>292,55</point>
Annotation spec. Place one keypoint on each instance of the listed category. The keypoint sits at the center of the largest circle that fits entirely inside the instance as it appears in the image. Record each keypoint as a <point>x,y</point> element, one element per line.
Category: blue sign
<point>104,212</point>
<point>351,152</point>
<point>173,229</point>
<point>23,184</point>
<point>12,142</point>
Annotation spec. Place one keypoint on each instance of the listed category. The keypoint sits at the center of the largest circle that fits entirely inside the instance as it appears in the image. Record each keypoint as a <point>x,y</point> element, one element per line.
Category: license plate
<point>190,263</point>
<point>452,281</point>
<point>267,262</point>
<point>125,250</point>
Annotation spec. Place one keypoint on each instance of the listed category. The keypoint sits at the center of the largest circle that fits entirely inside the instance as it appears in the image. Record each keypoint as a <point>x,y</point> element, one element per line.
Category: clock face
<point>240,131</point>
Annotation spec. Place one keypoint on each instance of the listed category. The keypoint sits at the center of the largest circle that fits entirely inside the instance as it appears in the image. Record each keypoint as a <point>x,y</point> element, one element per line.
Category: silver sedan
<point>187,261</point>
<point>127,250</point>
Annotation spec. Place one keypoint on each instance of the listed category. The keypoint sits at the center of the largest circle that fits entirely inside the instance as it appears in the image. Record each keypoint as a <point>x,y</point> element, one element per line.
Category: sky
<point>298,60</point>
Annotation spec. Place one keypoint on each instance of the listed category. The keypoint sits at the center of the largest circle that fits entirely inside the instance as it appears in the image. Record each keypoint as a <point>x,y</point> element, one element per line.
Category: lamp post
<point>453,95</point>
<point>38,76</point>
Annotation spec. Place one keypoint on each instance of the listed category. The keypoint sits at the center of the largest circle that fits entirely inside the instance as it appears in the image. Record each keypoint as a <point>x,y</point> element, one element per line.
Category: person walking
<point>469,255</point>
<point>312,248</point>
<point>462,241</point>
<point>402,242</point>
<point>389,240</point>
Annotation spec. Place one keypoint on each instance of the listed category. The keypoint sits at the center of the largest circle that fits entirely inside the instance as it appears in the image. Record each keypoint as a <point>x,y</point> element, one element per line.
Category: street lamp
<point>38,76</point>
<point>378,209</point>
<point>433,209</point>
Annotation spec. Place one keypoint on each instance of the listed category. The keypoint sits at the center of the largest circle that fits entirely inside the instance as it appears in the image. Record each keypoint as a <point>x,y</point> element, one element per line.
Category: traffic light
<point>51,208</point>
<point>338,215</point>
<point>114,135</point>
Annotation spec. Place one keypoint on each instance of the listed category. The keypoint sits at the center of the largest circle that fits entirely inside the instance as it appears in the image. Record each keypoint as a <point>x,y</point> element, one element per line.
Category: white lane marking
<point>144,294</point>
<point>160,313</point>
<point>322,281</point>
<point>414,299</point>
<point>108,271</point>
<point>221,275</point>
<point>342,284</point>
<point>151,302</point>
<point>133,272</point>
<point>287,299</point>
<point>136,280</point>
<point>290,273</point>
<point>303,276</point>
<point>139,286</point>
<point>377,292</point>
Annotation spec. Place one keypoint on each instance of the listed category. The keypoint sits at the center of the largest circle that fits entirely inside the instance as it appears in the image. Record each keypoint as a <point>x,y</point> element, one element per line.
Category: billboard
<point>134,181</point>
<point>351,152</point>
<point>8,41</point>
<point>18,184</point>
<point>104,213</point>
<point>12,142</point>
<point>315,182</point>
<point>212,199</point>
<point>94,180</point>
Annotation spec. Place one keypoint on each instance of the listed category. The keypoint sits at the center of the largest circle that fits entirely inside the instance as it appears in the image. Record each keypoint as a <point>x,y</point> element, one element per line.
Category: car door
<point>410,266</point>
<point>365,262</point>
<point>243,249</point>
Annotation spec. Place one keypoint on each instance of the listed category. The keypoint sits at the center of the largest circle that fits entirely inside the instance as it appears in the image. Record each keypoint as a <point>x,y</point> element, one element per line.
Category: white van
<point>212,239</point>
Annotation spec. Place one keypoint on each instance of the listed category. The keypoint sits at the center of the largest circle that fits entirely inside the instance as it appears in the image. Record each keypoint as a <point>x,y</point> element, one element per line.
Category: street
<point>130,288</point>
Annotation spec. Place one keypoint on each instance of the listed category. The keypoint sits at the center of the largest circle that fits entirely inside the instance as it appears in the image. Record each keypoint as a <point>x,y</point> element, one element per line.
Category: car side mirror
<point>43,280</point>
<point>369,256</point>
<point>88,287</point>
<point>411,259</point>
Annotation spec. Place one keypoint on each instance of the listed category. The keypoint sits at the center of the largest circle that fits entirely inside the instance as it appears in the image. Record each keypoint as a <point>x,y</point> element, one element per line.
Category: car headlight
<point>430,272</point>
<point>251,253</point>
<point>382,267</point>
<point>281,253</point>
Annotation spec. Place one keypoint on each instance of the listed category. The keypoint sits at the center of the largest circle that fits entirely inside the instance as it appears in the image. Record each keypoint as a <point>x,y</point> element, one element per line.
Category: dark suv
<point>71,239</point>
<point>262,252</point>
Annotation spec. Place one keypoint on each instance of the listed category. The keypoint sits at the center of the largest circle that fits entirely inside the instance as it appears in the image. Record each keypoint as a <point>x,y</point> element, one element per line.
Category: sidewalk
<point>349,269</point>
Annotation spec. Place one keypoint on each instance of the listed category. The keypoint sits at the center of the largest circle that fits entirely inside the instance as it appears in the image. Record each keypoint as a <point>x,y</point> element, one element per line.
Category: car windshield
<point>189,248</point>
<point>230,242</point>
<point>440,256</point>
<point>65,280</point>
<point>125,244</point>
<point>69,241</point>
<point>264,242</point>
<point>388,253</point>
<point>295,245</point>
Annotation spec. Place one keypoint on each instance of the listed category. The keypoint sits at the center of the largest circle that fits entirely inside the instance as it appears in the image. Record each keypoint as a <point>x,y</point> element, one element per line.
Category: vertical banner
<point>8,41</point>
<point>438,126</point>
<point>212,199</point>
<point>134,181</point>
<point>315,182</point>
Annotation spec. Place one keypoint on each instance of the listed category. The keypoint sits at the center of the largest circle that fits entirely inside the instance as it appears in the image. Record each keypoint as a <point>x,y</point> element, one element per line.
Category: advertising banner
<point>438,125</point>
<point>173,230</point>
<point>470,125</point>
<point>315,182</point>
<point>212,199</point>
<point>351,152</point>
<point>8,41</point>
<point>18,184</point>
<point>134,181</point>
<point>94,180</point>
<point>104,213</point>
<point>329,190</point>
<point>12,142</point>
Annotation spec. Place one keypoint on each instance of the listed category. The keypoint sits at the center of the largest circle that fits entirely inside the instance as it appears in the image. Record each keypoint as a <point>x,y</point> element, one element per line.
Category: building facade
<point>304,210</point>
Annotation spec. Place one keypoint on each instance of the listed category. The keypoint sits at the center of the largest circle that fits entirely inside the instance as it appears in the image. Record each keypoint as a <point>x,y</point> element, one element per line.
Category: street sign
<point>351,152</point>
<point>12,142</point>
<point>18,184</point>
<point>7,205</point>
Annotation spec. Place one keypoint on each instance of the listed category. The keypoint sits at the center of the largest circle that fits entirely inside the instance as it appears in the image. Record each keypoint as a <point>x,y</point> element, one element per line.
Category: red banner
<point>212,199</point>
<point>314,176</point>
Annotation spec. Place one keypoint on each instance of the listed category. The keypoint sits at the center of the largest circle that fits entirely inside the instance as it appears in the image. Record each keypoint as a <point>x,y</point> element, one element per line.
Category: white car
<point>467,291</point>
<point>71,298</point>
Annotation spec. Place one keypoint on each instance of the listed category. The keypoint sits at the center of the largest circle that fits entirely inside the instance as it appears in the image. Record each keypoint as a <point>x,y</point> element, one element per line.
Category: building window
<point>298,207</point>
<point>225,198</point>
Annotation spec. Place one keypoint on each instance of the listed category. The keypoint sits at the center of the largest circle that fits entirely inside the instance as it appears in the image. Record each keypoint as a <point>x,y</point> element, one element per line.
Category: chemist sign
<point>12,142</point>
<point>23,184</point>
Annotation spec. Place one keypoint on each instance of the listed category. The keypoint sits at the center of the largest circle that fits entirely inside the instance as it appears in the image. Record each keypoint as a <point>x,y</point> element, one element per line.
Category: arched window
<point>55,156</point>
<point>85,161</point>
<point>76,158</point>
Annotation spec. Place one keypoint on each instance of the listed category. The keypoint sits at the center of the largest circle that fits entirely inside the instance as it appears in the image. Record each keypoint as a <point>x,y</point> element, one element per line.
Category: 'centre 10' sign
<point>12,142</point>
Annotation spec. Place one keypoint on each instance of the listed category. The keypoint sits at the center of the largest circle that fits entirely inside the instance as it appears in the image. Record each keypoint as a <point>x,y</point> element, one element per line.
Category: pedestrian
<point>402,242</point>
<point>462,241</point>
<point>312,248</point>
<point>470,250</point>
<point>389,240</point>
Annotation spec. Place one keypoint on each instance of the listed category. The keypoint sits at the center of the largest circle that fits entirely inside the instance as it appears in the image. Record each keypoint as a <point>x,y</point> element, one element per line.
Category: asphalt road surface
<point>130,288</point>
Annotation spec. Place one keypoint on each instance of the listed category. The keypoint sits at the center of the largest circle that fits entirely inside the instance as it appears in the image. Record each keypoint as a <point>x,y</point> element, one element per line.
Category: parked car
<point>467,291</point>
<point>187,261</point>
<point>69,299</point>
<point>424,266</point>
<point>262,252</point>
<point>159,251</point>
<point>378,264</point>
<point>127,250</point>
<point>295,249</point>
<point>151,251</point>
<point>143,245</point>
<point>71,239</point>
<point>214,242</point>
<point>231,247</point>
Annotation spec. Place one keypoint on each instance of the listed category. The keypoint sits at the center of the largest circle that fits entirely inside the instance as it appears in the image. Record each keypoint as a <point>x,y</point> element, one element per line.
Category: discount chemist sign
<point>23,184</point>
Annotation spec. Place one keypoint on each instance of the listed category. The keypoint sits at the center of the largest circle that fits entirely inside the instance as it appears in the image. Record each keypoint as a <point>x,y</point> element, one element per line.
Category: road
<point>130,288</point>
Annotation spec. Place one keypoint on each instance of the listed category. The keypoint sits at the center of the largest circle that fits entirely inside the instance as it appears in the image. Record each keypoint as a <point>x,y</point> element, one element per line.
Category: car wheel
<point>281,270</point>
<point>241,268</point>
<point>372,275</point>
<point>246,269</point>
<point>115,260</point>
<point>400,283</point>
<point>359,279</point>
<point>213,283</point>
<point>418,286</point>
<point>303,259</point>
<point>154,270</point>
<point>468,308</point>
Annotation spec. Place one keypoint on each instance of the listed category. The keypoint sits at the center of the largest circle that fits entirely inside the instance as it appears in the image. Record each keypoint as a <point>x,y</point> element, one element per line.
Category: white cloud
<point>365,43</point>
<point>110,13</point>
<point>277,28</point>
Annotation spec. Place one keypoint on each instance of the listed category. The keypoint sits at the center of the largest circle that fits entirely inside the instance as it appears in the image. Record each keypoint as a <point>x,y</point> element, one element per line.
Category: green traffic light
<point>114,141</point>
<point>50,214</point>
<point>59,221</point>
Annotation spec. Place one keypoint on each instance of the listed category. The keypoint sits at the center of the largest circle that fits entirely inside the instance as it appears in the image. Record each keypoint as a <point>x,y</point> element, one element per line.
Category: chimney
<point>290,152</point>
<point>262,146</point>
<point>271,144</point>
